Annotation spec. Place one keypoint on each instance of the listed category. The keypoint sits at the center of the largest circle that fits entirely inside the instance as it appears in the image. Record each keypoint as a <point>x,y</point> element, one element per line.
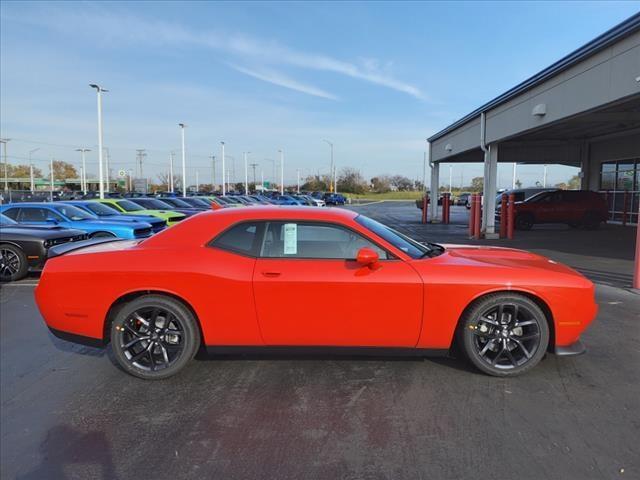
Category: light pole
<point>171,172</point>
<point>254,165</point>
<point>224,189</point>
<point>184,162</point>
<point>99,91</point>
<point>4,142</point>
<point>281,172</point>
<point>513,180</point>
<point>331,171</point>
<point>33,183</point>
<point>298,180</point>
<point>213,174</point>
<point>107,169</point>
<point>544,177</point>
<point>83,177</point>
<point>246,174</point>
<point>197,182</point>
<point>450,177</point>
<point>52,180</point>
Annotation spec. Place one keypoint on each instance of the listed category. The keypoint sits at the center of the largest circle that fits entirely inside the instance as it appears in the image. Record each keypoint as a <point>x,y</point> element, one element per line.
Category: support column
<point>489,192</point>
<point>433,195</point>
<point>585,166</point>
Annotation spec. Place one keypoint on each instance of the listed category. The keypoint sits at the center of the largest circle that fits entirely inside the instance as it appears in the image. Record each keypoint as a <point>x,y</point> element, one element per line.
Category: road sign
<point>122,173</point>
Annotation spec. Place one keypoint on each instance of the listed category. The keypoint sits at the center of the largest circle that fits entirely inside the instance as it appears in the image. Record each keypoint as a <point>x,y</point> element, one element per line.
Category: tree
<point>477,184</point>
<point>381,184</point>
<point>316,183</point>
<point>401,183</point>
<point>574,183</point>
<point>351,180</point>
<point>63,170</point>
<point>561,186</point>
<point>22,171</point>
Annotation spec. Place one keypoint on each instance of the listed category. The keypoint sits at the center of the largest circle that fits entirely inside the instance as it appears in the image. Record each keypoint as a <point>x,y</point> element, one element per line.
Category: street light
<point>83,177</point>
<point>33,183</point>
<point>170,179</point>
<point>246,174</point>
<point>331,172</point>
<point>4,142</point>
<point>184,164</point>
<point>99,91</point>
<point>224,188</point>
<point>281,172</point>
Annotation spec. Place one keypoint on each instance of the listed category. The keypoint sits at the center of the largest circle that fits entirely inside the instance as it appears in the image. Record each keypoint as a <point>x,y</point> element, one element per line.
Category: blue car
<point>286,200</point>
<point>68,216</point>
<point>104,212</point>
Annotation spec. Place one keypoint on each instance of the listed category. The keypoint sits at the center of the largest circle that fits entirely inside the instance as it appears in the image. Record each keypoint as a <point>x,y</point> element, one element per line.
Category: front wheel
<point>154,337</point>
<point>524,221</point>
<point>504,334</point>
<point>13,263</point>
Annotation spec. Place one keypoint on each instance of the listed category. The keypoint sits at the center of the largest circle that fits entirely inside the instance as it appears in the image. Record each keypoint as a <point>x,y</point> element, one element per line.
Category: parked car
<point>68,216</point>
<point>419,201</point>
<point>334,199</point>
<point>125,205</point>
<point>522,194</point>
<point>286,200</point>
<point>230,272</point>
<point>197,202</point>
<point>23,248</point>
<point>156,204</point>
<point>576,208</point>
<point>103,212</point>
<point>464,200</point>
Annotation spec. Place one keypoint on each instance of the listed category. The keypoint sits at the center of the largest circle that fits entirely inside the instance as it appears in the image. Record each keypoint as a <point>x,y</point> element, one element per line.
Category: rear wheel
<point>154,337</point>
<point>524,221</point>
<point>13,263</point>
<point>504,334</point>
<point>591,221</point>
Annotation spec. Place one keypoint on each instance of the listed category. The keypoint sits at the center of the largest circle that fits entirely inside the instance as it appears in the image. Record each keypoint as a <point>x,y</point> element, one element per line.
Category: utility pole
<point>254,165</point>
<point>224,189</point>
<point>4,142</point>
<point>171,172</point>
<point>450,177</point>
<point>331,171</point>
<point>184,162</point>
<point>246,174</point>
<point>513,181</point>
<point>99,91</point>
<point>197,182</point>
<point>33,183</point>
<point>298,180</point>
<point>52,179</point>
<point>544,177</point>
<point>107,168</point>
<point>281,172</point>
<point>213,173</point>
<point>140,156</point>
<point>83,177</point>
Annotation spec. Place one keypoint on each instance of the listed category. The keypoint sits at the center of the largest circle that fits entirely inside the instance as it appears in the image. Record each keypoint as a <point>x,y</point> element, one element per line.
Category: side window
<point>243,238</point>
<point>309,240</point>
<point>34,215</point>
<point>12,213</point>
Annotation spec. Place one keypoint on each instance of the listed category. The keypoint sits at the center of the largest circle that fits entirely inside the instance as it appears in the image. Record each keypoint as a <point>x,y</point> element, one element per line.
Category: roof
<point>624,29</point>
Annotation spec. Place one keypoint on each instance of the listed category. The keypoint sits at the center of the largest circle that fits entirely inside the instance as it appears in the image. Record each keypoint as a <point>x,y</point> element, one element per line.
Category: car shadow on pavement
<point>71,453</point>
<point>65,346</point>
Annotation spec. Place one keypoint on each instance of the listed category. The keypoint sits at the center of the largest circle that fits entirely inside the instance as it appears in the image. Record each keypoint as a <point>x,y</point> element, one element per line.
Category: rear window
<point>243,238</point>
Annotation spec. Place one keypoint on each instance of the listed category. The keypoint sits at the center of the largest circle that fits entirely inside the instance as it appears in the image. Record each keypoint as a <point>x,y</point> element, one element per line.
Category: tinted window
<point>38,215</point>
<point>4,220</point>
<point>395,238</point>
<point>243,238</point>
<point>176,202</point>
<point>128,206</point>
<point>152,204</point>
<point>73,213</point>
<point>313,240</point>
<point>101,209</point>
<point>12,213</point>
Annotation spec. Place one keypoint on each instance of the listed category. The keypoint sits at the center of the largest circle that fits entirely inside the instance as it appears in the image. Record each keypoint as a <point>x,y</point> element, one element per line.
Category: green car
<point>122,205</point>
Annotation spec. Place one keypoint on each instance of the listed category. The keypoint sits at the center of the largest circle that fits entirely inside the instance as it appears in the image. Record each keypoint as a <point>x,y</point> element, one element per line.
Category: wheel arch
<point>539,301</point>
<point>98,232</point>
<point>130,296</point>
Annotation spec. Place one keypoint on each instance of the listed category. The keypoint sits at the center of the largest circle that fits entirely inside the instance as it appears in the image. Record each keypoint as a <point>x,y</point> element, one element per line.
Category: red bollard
<point>511,216</point>
<point>477,217</point>
<point>625,207</point>
<point>446,203</point>
<point>636,270</point>
<point>472,202</point>
<point>503,215</point>
<point>424,208</point>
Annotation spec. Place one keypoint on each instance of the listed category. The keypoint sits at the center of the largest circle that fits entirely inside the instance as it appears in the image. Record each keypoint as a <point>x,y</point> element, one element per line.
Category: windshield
<point>73,213</point>
<point>4,220</point>
<point>129,206</point>
<point>152,204</point>
<point>100,209</point>
<point>395,238</point>
<point>176,202</point>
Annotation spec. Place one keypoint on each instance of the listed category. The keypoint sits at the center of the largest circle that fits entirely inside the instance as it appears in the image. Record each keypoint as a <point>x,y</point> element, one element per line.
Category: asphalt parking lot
<point>67,412</point>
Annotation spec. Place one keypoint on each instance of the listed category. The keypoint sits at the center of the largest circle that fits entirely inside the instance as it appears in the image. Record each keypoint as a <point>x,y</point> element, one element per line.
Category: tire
<point>160,352</point>
<point>504,334</point>
<point>13,263</point>
<point>575,224</point>
<point>524,221</point>
<point>102,235</point>
<point>591,221</point>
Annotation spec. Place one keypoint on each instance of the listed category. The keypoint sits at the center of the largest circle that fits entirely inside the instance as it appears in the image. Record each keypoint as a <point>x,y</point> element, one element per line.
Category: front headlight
<point>47,243</point>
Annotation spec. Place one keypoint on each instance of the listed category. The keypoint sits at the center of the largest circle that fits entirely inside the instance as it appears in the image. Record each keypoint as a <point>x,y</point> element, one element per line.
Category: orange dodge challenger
<point>296,278</point>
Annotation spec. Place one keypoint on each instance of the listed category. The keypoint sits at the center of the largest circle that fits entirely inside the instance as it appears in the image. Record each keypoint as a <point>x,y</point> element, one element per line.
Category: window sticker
<point>290,239</point>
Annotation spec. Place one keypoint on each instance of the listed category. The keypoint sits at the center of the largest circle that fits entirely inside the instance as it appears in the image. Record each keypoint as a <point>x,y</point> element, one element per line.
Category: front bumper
<point>576,348</point>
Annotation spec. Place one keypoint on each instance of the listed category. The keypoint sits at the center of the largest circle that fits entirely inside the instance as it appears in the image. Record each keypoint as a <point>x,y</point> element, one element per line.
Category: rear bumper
<point>576,348</point>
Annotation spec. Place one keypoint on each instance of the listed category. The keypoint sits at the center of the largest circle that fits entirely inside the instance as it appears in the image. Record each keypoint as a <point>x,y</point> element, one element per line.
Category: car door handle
<point>271,274</point>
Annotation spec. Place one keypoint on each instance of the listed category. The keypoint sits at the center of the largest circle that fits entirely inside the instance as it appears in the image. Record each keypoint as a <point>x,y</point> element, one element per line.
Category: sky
<point>373,78</point>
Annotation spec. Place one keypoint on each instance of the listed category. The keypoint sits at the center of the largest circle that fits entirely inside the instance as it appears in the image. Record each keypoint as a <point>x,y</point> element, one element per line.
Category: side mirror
<point>367,257</point>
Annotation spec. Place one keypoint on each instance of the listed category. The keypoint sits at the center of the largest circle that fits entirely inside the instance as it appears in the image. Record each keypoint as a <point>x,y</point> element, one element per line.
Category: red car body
<point>239,300</point>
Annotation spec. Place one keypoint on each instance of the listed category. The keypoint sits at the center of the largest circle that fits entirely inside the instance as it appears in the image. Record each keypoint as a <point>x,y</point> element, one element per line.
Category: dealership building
<point>582,111</point>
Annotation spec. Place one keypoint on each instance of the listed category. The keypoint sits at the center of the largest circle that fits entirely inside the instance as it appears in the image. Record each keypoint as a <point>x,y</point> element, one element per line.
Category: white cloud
<point>283,81</point>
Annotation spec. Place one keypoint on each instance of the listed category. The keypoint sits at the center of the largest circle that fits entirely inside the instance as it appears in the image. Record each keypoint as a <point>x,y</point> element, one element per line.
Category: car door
<point>309,290</point>
<point>38,216</point>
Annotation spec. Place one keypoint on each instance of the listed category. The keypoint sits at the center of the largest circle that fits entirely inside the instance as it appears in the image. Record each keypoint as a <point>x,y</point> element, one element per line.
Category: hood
<point>39,232</point>
<point>27,226</point>
<point>506,257</point>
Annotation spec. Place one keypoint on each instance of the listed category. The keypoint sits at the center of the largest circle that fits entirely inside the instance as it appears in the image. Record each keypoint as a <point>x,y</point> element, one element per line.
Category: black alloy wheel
<point>505,334</point>
<point>524,221</point>
<point>154,337</point>
<point>13,263</point>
